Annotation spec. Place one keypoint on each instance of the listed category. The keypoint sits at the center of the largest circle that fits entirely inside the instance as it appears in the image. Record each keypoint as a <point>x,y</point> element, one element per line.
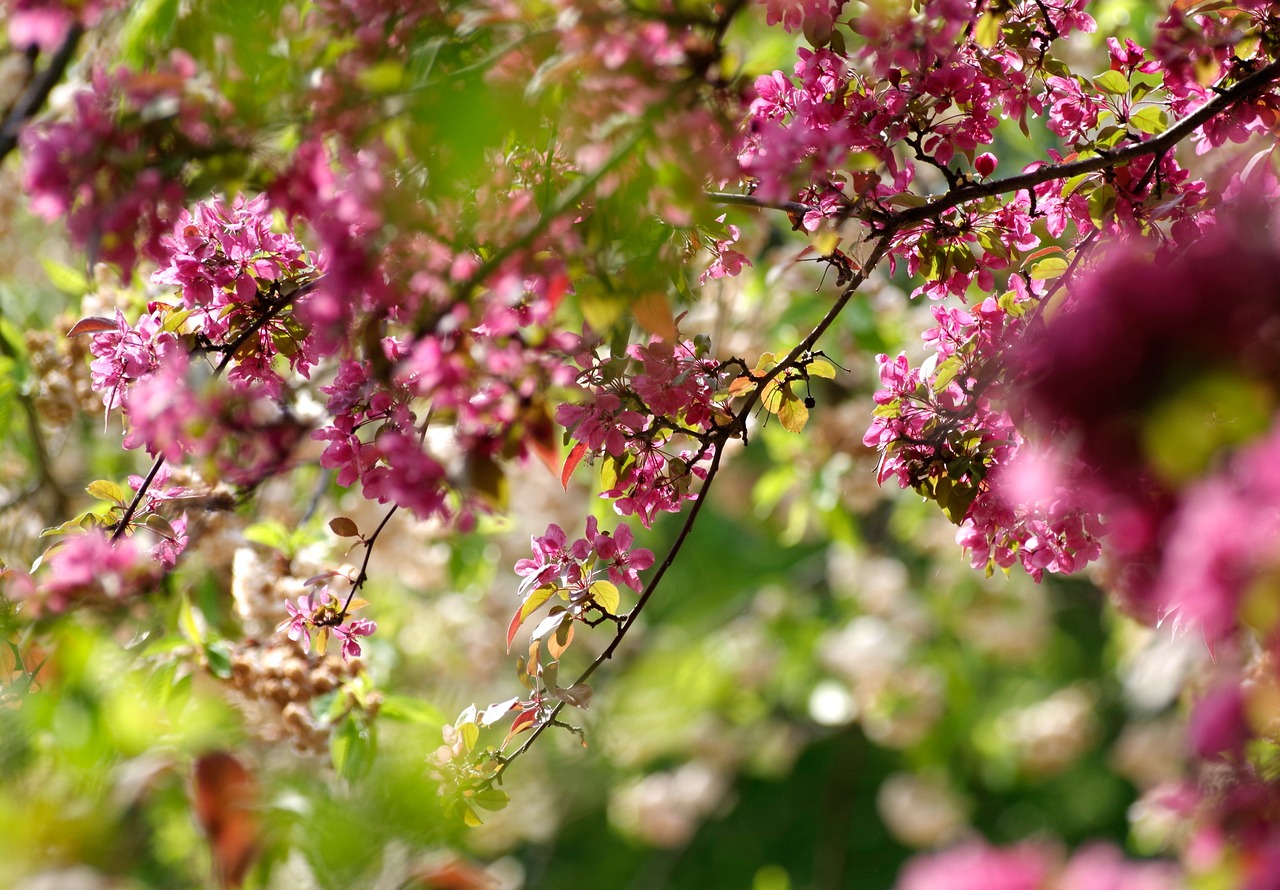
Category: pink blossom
<point>88,567</point>
<point>975,866</point>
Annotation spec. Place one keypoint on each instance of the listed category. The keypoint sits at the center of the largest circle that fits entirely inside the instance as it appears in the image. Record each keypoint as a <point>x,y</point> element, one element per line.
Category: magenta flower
<point>301,619</point>
<point>360,627</point>
<point>322,613</point>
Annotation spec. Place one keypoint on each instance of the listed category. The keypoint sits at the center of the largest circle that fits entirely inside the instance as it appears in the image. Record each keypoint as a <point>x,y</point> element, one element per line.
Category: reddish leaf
<point>525,720</point>
<point>225,799</point>
<point>571,463</point>
<point>578,695</point>
<point>344,527</point>
<point>653,312</point>
<point>513,627</point>
<point>452,874</point>
<point>531,603</point>
<point>92,325</point>
<point>542,439</point>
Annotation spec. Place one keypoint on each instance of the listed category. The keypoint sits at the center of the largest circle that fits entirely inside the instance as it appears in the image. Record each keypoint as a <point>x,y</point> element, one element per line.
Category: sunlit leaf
<point>1050,268</point>
<point>559,641</point>
<point>571,463</point>
<point>1150,120</point>
<point>793,414</point>
<point>105,490</point>
<point>496,712</point>
<point>820,367</point>
<point>605,595</point>
<point>1112,82</point>
<point>549,624</point>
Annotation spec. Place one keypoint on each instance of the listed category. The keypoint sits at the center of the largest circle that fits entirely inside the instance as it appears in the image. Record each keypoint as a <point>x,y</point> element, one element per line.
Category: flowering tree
<point>354,265</point>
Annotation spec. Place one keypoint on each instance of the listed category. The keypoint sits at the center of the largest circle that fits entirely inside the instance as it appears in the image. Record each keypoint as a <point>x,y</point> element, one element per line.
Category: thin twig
<point>364,566</point>
<point>284,299</point>
<point>632,616</point>
<point>37,92</point>
<point>44,466</point>
<point>753,201</point>
<point>1158,145</point>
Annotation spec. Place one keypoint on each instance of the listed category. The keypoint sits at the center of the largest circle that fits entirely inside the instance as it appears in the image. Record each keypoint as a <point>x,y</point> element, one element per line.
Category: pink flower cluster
<point>322,614</point>
<point>942,429</point>
<point>230,269</point>
<point>977,866</point>
<point>46,23</point>
<point>924,91</point>
<point>574,567</point>
<point>113,170</point>
<point>636,409</point>
<point>728,262</point>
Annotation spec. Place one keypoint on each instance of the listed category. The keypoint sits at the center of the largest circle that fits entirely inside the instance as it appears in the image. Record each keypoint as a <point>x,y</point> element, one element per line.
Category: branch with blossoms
<point>638,410</point>
<point>944,431</point>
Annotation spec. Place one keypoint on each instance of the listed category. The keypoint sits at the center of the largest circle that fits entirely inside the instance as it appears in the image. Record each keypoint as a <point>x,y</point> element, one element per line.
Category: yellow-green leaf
<point>771,396</point>
<point>66,279</point>
<point>1048,268</point>
<point>105,490</point>
<point>1112,82</point>
<point>820,367</point>
<point>987,32</point>
<point>793,414</point>
<point>1150,120</point>
<point>470,734</point>
<point>605,595</point>
<point>188,622</point>
<point>1102,203</point>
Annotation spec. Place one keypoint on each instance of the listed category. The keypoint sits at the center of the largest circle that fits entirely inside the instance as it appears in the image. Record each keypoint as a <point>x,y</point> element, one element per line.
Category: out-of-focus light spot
<point>831,704</point>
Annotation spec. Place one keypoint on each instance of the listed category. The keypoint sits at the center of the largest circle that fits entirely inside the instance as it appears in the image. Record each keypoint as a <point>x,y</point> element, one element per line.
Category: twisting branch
<point>1158,145</point>
<point>37,92</point>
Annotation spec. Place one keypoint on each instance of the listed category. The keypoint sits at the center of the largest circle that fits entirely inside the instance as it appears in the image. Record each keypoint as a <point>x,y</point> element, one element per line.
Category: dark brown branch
<point>1159,145</point>
<point>753,201</point>
<point>631,617</point>
<point>364,566</point>
<point>284,298</point>
<point>37,92</point>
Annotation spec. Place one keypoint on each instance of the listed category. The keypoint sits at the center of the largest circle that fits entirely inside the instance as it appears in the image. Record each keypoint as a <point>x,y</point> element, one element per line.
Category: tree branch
<point>632,616</point>
<point>37,92</point>
<point>1158,145</point>
<point>282,300</point>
